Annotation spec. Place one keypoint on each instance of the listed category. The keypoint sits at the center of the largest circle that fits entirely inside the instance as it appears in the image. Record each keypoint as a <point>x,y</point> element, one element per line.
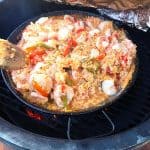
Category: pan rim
<point>8,81</point>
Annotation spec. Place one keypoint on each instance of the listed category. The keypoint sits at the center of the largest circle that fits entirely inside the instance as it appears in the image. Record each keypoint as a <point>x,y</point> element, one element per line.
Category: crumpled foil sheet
<point>139,18</point>
<point>134,13</point>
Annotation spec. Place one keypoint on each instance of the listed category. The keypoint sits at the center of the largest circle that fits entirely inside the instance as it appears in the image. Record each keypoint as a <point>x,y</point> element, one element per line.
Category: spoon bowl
<point>11,56</point>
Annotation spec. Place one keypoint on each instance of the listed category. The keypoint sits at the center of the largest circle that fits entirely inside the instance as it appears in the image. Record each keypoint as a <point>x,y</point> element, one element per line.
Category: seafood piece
<point>63,33</point>
<point>94,53</point>
<point>42,84</point>
<point>63,95</point>
<point>108,87</point>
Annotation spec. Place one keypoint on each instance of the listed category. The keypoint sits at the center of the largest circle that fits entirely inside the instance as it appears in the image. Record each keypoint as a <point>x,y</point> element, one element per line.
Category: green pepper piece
<point>64,99</point>
<point>41,44</point>
<point>93,67</point>
<point>69,81</point>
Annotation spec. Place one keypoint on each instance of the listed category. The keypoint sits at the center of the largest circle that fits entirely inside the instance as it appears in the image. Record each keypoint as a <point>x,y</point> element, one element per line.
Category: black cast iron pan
<point>15,36</point>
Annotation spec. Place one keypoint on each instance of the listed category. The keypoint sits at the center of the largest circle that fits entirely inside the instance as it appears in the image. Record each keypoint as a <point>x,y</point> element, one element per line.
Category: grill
<point>128,112</point>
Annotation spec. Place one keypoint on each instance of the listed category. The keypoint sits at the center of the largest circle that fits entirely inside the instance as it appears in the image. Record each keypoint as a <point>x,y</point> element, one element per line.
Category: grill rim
<point>136,136</point>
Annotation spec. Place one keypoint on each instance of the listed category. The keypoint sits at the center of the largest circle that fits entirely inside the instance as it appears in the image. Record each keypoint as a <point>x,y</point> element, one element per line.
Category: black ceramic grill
<point>131,110</point>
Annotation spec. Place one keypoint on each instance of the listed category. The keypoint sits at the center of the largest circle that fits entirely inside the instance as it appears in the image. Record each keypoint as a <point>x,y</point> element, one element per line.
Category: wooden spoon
<point>11,56</point>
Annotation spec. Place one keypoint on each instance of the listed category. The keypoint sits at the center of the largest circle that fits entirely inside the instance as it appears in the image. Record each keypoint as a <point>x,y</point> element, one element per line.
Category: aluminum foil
<point>139,18</point>
<point>134,13</point>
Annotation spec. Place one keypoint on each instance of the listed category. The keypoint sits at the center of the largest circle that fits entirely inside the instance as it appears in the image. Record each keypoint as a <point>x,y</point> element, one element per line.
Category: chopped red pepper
<point>124,58</point>
<point>110,38</point>
<point>42,91</point>
<point>67,50</point>
<point>108,71</point>
<point>80,30</point>
<point>71,43</point>
<point>36,55</point>
<point>118,76</point>
<point>63,88</point>
<point>101,56</point>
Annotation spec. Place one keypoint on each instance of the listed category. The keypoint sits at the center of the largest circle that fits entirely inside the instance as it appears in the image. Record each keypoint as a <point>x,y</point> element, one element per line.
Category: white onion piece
<point>94,53</point>
<point>42,20</point>
<point>108,87</point>
<point>57,96</point>
<point>63,33</point>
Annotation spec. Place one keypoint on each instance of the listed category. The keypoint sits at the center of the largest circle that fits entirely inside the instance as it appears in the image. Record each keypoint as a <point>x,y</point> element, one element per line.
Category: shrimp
<point>106,28</point>
<point>102,42</point>
<point>42,84</point>
<point>52,35</point>
<point>82,38</point>
<point>40,81</point>
<point>38,98</point>
<point>92,22</point>
<point>64,32</point>
<point>69,18</point>
<point>93,32</point>
<point>79,26</point>
<point>108,87</point>
<point>105,25</point>
<point>63,95</point>
<point>57,95</point>
<point>75,74</point>
<point>94,53</point>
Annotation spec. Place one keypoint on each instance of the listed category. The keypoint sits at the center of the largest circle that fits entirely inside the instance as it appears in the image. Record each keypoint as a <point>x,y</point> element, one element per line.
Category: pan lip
<point>8,80</point>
